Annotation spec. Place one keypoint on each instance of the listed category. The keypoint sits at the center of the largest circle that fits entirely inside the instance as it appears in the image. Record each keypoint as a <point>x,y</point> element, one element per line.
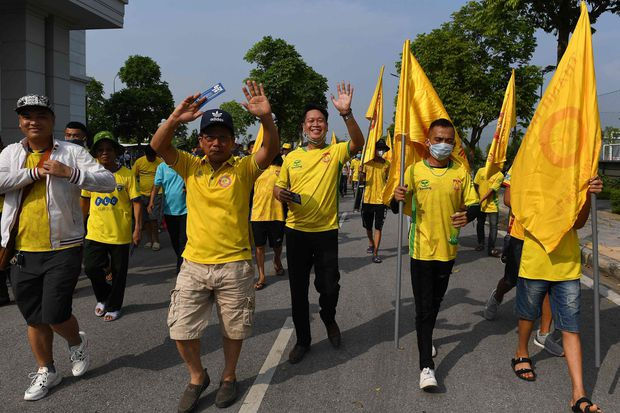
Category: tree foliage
<point>242,119</point>
<point>469,61</point>
<point>289,83</point>
<point>558,16</point>
<point>140,71</point>
<point>96,118</point>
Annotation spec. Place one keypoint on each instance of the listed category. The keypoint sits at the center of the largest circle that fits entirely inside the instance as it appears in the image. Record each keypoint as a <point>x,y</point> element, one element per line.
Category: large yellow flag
<point>506,121</point>
<point>259,140</point>
<point>417,106</point>
<point>375,115</point>
<point>559,153</point>
<point>334,139</point>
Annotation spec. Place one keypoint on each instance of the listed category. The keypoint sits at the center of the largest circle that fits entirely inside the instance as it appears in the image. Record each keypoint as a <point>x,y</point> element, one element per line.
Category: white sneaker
<point>434,352</point>
<point>79,356</point>
<point>156,246</point>
<point>42,381</point>
<point>148,245</point>
<point>427,379</point>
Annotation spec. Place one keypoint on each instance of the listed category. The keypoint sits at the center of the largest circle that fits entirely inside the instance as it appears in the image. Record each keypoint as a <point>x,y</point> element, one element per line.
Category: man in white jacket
<point>42,179</point>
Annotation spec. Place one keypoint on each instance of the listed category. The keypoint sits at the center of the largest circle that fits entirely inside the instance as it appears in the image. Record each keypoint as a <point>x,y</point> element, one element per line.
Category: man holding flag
<point>554,174</point>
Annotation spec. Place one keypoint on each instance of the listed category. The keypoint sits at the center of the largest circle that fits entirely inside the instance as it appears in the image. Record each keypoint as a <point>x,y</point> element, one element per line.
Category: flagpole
<point>399,248</point>
<point>597,297</point>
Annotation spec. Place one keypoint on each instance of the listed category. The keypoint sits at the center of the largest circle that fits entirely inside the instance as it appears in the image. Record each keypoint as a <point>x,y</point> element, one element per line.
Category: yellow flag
<point>417,107</point>
<point>334,139</point>
<point>259,140</point>
<point>375,115</point>
<point>559,153</point>
<point>506,121</point>
<point>388,156</point>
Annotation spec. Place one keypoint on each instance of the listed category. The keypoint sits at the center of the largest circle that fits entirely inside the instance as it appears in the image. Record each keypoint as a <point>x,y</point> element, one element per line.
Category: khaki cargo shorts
<point>230,286</point>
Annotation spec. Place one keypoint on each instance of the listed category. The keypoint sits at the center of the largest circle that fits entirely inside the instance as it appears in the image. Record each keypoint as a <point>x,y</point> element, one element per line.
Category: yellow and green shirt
<point>218,206</point>
<point>376,177</point>
<point>314,174</point>
<point>110,214</point>
<point>265,207</point>
<point>491,204</point>
<point>438,194</point>
<point>145,171</point>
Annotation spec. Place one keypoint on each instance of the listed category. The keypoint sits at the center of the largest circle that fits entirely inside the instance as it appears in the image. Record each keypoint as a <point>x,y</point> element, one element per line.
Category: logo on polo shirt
<point>224,181</point>
<point>425,184</point>
<point>326,157</point>
<point>120,187</point>
<point>457,184</point>
<point>296,164</point>
<point>105,201</point>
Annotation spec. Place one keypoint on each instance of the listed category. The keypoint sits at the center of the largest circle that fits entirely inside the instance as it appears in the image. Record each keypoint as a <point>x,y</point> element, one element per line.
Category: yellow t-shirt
<point>562,264</point>
<point>265,207</point>
<point>516,229</point>
<point>355,169</point>
<point>1,203</point>
<point>33,234</point>
<point>439,193</point>
<point>145,171</point>
<point>218,206</point>
<point>376,177</point>
<point>491,204</point>
<point>110,214</point>
<point>314,174</point>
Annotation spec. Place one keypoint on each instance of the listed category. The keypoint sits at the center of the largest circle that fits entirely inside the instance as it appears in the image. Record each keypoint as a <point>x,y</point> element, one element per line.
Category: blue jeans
<point>565,298</point>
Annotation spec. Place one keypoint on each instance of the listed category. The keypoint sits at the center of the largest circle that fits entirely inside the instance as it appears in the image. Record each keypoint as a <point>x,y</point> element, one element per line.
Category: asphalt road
<point>135,367</point>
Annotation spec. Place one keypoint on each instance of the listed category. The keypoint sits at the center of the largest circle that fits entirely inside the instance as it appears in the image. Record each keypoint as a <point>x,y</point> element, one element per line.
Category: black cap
<point>217,117</point>
<point>381,146</point>
<point>33,101</point>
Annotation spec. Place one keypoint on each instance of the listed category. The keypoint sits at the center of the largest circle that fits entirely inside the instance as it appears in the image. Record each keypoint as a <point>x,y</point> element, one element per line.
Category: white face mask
<point>380,153</point>
<point>441,151</point>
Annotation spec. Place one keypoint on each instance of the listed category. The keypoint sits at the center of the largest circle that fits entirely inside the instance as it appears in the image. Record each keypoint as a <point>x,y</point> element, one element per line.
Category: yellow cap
<point>286,146</point>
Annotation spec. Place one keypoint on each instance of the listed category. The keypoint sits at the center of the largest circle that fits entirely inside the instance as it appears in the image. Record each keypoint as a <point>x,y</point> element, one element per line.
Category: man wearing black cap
<point>373,210</point>
<point>41,178</point>
<point>217,266</point>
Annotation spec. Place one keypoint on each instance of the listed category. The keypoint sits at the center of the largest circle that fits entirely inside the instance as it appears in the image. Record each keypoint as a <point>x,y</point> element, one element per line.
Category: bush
<point>615,201</point>
<point>605,193</point>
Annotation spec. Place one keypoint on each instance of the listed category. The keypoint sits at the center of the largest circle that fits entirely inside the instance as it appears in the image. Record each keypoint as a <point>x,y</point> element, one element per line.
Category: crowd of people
<point>65,204</point>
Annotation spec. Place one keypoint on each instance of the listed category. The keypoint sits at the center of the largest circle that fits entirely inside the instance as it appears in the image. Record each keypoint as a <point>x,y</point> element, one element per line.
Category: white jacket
<point>63,195</point>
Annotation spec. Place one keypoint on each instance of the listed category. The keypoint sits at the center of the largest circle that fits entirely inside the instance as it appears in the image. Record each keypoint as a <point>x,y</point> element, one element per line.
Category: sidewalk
<point>608,240</point>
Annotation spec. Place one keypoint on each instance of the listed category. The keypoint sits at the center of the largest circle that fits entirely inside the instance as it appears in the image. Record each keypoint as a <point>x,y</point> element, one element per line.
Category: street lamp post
<point>114,84</point>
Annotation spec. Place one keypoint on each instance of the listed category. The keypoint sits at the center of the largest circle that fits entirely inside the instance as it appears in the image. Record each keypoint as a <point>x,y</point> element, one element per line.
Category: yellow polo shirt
<point>355,169</point>
<point>265,207</point>
<point>110,214</point>
<point>561,264</point>
<point>491,204</point>
<point>516,229</point>
<point>376,177</point>
<point>145,171</point>
<point>218,206</point>
<point>439,193</point>
<point>314,174</point>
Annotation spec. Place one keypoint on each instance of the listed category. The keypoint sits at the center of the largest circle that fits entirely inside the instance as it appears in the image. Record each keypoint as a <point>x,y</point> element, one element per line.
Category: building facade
<point>43,51</point>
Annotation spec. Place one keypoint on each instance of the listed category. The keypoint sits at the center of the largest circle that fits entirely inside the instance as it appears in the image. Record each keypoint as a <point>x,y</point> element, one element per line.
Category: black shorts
<point>513,260</point>
<point>268,230</point>
<point>43,285</point>
<point>373,212</point>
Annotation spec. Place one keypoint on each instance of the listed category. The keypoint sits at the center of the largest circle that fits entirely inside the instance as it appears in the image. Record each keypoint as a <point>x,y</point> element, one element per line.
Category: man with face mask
<point>76,132</point>
<point>438,188</point>
<point>373,210</point>
<point>308,183</point>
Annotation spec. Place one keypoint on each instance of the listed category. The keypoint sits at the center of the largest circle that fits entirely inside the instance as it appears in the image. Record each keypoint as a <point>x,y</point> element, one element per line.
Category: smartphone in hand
<point>296,198</point>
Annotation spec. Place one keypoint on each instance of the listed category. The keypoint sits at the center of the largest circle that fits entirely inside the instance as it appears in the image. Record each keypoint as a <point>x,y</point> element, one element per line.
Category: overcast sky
<point>198,43</point>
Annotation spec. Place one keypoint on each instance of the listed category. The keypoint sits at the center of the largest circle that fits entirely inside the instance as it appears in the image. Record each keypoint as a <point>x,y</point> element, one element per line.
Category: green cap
<point>105,135</point>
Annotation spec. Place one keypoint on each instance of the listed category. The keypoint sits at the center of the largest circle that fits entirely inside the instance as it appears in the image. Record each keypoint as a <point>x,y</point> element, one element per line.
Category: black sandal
<point>522,372</point>
<point>589,404</point>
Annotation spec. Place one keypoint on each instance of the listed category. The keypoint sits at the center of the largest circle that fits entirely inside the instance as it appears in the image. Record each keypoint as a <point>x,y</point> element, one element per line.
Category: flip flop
<point>259,286</point>
<point>100,309</point>
<point>114,315</point>
<point>280,272</point>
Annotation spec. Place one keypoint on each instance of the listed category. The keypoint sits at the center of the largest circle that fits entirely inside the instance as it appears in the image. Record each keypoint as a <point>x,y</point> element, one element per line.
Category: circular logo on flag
<point>567,121</point>
<point>224,181</point>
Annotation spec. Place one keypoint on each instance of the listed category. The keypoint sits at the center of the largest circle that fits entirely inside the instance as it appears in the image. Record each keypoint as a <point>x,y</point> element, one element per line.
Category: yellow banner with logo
<point>559,153</point>
<point>375,115</point>
<point>506,121</point>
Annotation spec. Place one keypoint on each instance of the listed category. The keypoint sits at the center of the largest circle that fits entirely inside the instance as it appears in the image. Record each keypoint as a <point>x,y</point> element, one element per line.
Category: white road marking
<point>255,396</point>
<point>343,217</point>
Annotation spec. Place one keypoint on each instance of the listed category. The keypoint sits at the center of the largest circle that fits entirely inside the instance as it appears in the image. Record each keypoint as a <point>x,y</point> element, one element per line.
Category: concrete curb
<point>607,266</point>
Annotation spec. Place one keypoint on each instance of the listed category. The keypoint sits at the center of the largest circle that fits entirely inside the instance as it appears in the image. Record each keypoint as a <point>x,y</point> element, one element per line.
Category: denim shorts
<point>565,297</point>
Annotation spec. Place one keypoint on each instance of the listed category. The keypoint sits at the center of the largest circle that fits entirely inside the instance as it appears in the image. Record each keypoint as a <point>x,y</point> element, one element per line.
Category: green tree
<point>136,110</point>
<point>289,83</point>
<point>558,16</point>
<point>468,60</point>
<point>96,118</point>
<point>242,119</point>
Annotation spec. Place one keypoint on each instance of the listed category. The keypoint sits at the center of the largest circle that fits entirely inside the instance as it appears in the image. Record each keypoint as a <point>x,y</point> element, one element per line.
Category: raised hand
<point>345,96</point>
<point>257,103</point>
<point>188,110</point>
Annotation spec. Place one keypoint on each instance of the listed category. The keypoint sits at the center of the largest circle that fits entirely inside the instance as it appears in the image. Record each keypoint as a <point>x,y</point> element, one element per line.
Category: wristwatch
<point>347,116</point>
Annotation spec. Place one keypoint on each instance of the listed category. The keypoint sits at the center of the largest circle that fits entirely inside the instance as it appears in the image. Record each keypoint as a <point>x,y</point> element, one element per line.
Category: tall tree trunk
<point>563,34</point>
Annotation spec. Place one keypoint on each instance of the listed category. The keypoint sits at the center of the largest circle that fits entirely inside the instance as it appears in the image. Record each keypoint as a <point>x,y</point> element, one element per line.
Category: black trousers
<point>343,185</point>
<point>4,290</point>
<point>429,280</point>
<point>97,256</point>
<point>493,218</point>
<point>177,229</point>
<point>358,197</point>
<point>303,251</point>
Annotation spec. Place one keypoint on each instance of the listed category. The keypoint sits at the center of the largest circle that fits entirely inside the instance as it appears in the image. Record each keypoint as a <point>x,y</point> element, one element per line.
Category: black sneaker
<point>191,395</point>
<point>297,353</point>
<point>333,334</point>
<point>226,394</point>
